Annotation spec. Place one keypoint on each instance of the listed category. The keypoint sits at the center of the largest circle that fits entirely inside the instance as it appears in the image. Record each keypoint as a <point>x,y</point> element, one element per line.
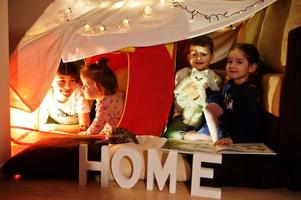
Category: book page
<point>189,147</point>
<point>245,148</point>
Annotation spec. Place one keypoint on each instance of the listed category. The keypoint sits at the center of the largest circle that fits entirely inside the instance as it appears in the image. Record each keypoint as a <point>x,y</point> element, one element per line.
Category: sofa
<point>276,31</point>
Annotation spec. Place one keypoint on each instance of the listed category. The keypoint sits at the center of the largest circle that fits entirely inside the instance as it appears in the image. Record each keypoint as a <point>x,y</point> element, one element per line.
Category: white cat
<point>190,95</point>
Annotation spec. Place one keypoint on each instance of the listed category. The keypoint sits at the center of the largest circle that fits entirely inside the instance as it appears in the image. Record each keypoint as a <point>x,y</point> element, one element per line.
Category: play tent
<point>77,29</point>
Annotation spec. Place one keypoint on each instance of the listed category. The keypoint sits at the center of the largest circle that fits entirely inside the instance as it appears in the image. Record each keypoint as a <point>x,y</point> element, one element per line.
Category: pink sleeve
<point>108,111</point>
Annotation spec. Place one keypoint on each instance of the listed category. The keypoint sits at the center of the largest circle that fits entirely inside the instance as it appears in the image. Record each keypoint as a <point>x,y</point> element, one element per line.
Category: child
<point>241,97</point>
<point>195,87</point>
<point>64,107</point>
<point>100,83</point>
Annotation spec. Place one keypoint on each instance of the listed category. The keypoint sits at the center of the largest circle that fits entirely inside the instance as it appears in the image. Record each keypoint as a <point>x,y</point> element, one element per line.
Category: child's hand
<point>82,128</point>
<point>83,133</point>
<point>224,141</point>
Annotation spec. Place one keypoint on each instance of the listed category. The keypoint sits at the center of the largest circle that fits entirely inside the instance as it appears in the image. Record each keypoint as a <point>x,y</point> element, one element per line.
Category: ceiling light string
<point>216,16</point>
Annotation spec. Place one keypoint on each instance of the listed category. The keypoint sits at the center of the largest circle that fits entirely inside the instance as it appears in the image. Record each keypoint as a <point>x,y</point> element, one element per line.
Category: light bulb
<point>147,11</point>
<point>100,28</point>
<point>67,12</point>
<point>118,5</point>
<point>162,1</point>
<point>124,23</point>
<point>87,28</point>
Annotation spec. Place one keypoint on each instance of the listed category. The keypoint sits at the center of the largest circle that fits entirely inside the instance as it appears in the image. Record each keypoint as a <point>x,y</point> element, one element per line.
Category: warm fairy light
<point>68,11</point>
<point>118,4</point>
<point>147,11</point>
<point>100,28</point>
<point>135,4</point>
<point>87,28</point>
<point>65,15</point>
<point>124,23</point>
<point>213,16</point>
<point>92,29</point>
<point>105,4</point>
<point>162,1</point>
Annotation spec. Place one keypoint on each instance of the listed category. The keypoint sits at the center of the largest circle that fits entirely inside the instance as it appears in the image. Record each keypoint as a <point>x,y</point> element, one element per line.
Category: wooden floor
<point>68,189</point>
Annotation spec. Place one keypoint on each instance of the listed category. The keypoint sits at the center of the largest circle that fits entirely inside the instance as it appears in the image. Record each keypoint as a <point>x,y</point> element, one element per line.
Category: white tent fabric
<point>76,29</point>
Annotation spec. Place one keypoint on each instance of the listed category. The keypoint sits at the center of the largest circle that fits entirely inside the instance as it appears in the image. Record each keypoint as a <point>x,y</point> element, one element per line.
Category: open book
<point>189,147</point>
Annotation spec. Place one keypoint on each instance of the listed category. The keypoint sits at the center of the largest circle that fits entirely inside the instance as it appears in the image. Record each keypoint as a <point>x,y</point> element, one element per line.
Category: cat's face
<point>199,77</point>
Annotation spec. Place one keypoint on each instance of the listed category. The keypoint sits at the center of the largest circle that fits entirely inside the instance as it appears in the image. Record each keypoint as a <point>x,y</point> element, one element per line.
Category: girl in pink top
<point>100,83</point>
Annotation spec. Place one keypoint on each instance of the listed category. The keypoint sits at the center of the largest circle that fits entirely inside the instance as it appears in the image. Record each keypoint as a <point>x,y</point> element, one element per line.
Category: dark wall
<point>22,14</point>
<point>290,125</point>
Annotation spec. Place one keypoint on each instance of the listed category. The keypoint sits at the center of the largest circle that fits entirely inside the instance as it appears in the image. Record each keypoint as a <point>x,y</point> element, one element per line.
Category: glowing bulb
<point>147,11</point>
<point>105,4</point>
<point>162,1</point>
<point>118,4</point>
<point>87,28</point>
<point>124,23</point>
<point>100,28</point>
<point>68,11</point>
<point>64,15</point>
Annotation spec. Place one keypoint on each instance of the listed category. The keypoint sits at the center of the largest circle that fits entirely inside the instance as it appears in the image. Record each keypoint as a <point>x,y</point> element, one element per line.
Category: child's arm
<point>101,117</point>
<point>224,141</point>
<point>70,128</point>
<point>244,128</point>
<point>213,89</point>
<point>108,113</point>
<point>84,121</point>
<point>212,96</point>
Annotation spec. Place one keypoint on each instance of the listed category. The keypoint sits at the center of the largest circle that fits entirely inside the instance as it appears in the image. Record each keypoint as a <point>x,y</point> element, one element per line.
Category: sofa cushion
<point>271,86</point>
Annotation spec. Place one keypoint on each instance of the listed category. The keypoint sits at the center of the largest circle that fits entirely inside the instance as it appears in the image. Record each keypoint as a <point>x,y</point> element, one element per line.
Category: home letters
<point>155,169</point>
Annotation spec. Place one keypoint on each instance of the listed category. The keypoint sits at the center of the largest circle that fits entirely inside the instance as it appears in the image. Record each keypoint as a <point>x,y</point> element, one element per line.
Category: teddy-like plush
<point>190,95</point>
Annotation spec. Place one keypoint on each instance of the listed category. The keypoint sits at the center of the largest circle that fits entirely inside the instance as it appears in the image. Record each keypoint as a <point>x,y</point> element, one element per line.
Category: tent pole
<point>5,150</point>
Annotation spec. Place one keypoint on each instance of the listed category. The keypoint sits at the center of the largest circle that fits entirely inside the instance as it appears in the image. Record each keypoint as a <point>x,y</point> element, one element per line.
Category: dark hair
<point>69,69</point>
<point>102,75</point>
<point>252,55</point>
<point>204,41</point>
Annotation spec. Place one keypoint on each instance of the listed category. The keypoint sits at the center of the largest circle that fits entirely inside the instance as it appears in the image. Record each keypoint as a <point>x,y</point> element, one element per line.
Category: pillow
<point>51,157</point>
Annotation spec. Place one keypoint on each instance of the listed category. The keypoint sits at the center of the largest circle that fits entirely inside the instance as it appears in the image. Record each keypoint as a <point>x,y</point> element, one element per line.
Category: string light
<point>162,1</point>
<point>65,15</point>
<point>195,12</point>
<point>118,4</point>
<point>147,11</point>
<point>100,28</point>
<point>87,28</point>
<point>93,29</point>
<point>124,23</point>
